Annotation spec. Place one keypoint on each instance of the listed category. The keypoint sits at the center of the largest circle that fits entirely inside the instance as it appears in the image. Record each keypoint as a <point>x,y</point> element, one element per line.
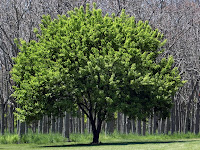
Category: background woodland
<point>178,20</point>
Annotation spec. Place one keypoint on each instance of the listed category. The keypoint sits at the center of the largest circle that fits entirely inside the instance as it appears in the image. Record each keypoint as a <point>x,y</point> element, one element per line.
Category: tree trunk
<point>119,123</point>
<point>34,127</point>
<point>40,126</point>
<point>162,125</point>
<point>44,127</point>
<point>82,124</point>
<point>197,119</point>
<point>72,124</point>
<point>138,127</point>
<point>18,126</point>
<point>125,124</point>
<point>177,117</point>
<point>150,125</point>
<point>11,118</point>
<point>167,125</point>
<point>129,127</point>
<point>21,128</point>
<point>144,127</point>
<point>76,122</point>
<point>66,126</point>
<point>88,126</point>
<point>96,129</point>
<point>192,119</point>
<point>60,127</point>
<point>154,124</point>
<point>133,126</point>
<point>2,118</point>
<point>110,127</point>
<point>0,124</point>
<point>53,129</point>
<point>95,137</point>
<point>26,127</point>
<point>6,117</point>
<point>173,120</point>
<point>56,124</point>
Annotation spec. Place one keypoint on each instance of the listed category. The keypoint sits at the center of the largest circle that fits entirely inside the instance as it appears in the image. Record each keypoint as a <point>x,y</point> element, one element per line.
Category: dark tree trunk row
<point>122,124</point>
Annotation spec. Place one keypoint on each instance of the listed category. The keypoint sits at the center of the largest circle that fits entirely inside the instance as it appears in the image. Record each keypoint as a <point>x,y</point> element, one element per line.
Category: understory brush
<point>31,138</point>
<point>36,138</point>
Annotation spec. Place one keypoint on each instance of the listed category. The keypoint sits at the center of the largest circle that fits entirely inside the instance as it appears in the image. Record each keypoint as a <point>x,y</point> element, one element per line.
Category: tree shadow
<point>118,144</point>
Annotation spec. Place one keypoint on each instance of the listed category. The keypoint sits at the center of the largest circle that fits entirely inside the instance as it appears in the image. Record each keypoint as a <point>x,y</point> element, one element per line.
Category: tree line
<point>179,22</point>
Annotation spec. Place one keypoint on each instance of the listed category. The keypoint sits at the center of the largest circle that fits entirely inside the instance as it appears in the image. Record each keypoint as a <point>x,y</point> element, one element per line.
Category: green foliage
<point>31,138</point>
<point>9,139</point>
<point>98,63</point>
<point>86,138</point>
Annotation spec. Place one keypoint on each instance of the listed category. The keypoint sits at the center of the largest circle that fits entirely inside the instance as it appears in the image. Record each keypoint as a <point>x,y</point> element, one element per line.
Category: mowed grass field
<point>189,144</point>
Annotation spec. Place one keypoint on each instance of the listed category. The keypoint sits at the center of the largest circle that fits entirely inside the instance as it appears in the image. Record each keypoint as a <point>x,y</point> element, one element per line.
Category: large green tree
<point>99,64</point>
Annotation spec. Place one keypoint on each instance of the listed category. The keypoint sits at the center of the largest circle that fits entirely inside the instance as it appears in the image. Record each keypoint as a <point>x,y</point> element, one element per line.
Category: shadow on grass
<point>118,144</point>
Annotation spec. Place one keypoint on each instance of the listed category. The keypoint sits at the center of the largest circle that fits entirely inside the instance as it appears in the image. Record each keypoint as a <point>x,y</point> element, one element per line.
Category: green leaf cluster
<point>100,64</point>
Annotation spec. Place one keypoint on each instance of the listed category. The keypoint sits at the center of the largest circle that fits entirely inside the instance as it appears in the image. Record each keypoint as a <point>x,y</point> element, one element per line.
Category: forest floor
<point>185,144</point>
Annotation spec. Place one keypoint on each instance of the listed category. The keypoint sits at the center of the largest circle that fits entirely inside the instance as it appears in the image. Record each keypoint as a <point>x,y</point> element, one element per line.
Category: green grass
<point>120,145</point>
<point>114,141</point>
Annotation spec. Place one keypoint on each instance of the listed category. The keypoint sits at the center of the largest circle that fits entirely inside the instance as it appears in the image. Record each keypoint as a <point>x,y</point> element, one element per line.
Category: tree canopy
<point>99,64</point>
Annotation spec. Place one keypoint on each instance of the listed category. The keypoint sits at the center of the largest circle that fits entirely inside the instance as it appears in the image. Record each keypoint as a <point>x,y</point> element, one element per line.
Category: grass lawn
<point>185,144</point>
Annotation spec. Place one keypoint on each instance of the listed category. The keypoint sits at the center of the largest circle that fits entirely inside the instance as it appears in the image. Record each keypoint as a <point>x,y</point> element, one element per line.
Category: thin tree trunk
<point>2,118</point>
<point>0,124</point>
<point>183,118</point>
<point>122,124</point>
<point>167,125</point>
<point>133,126</point>
<point>125,124</point>
<point>56,124</point>
<point>180,118</point>
<point>53,129</point>
<point>197,119</point>
<point>119,123</point>
<point>159,126</point>
<point>177,117</point>
<point>82,124</point>
<point>192,122</point>
<point>34,127</point>
<point>44,123</point>
<point>79,124</point>
<point>11,120</point>
<point>150,125</point>
<point>172,120</point>
<point>154,124</point>
<point>76,121</point>
<point>88,126</point>
<point>110,127</point>
<point>60,124</point>
<point>162,125</point>
<point>48,123</point>
<point>138,127</point>
<point>66,126</point>
<point>18,126</point>
<point>128,126</point>
<point>26,128</point>
<point>6,117</point>
<point>40,126</point>
<point>144,128</point>
<point>21,128</point>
